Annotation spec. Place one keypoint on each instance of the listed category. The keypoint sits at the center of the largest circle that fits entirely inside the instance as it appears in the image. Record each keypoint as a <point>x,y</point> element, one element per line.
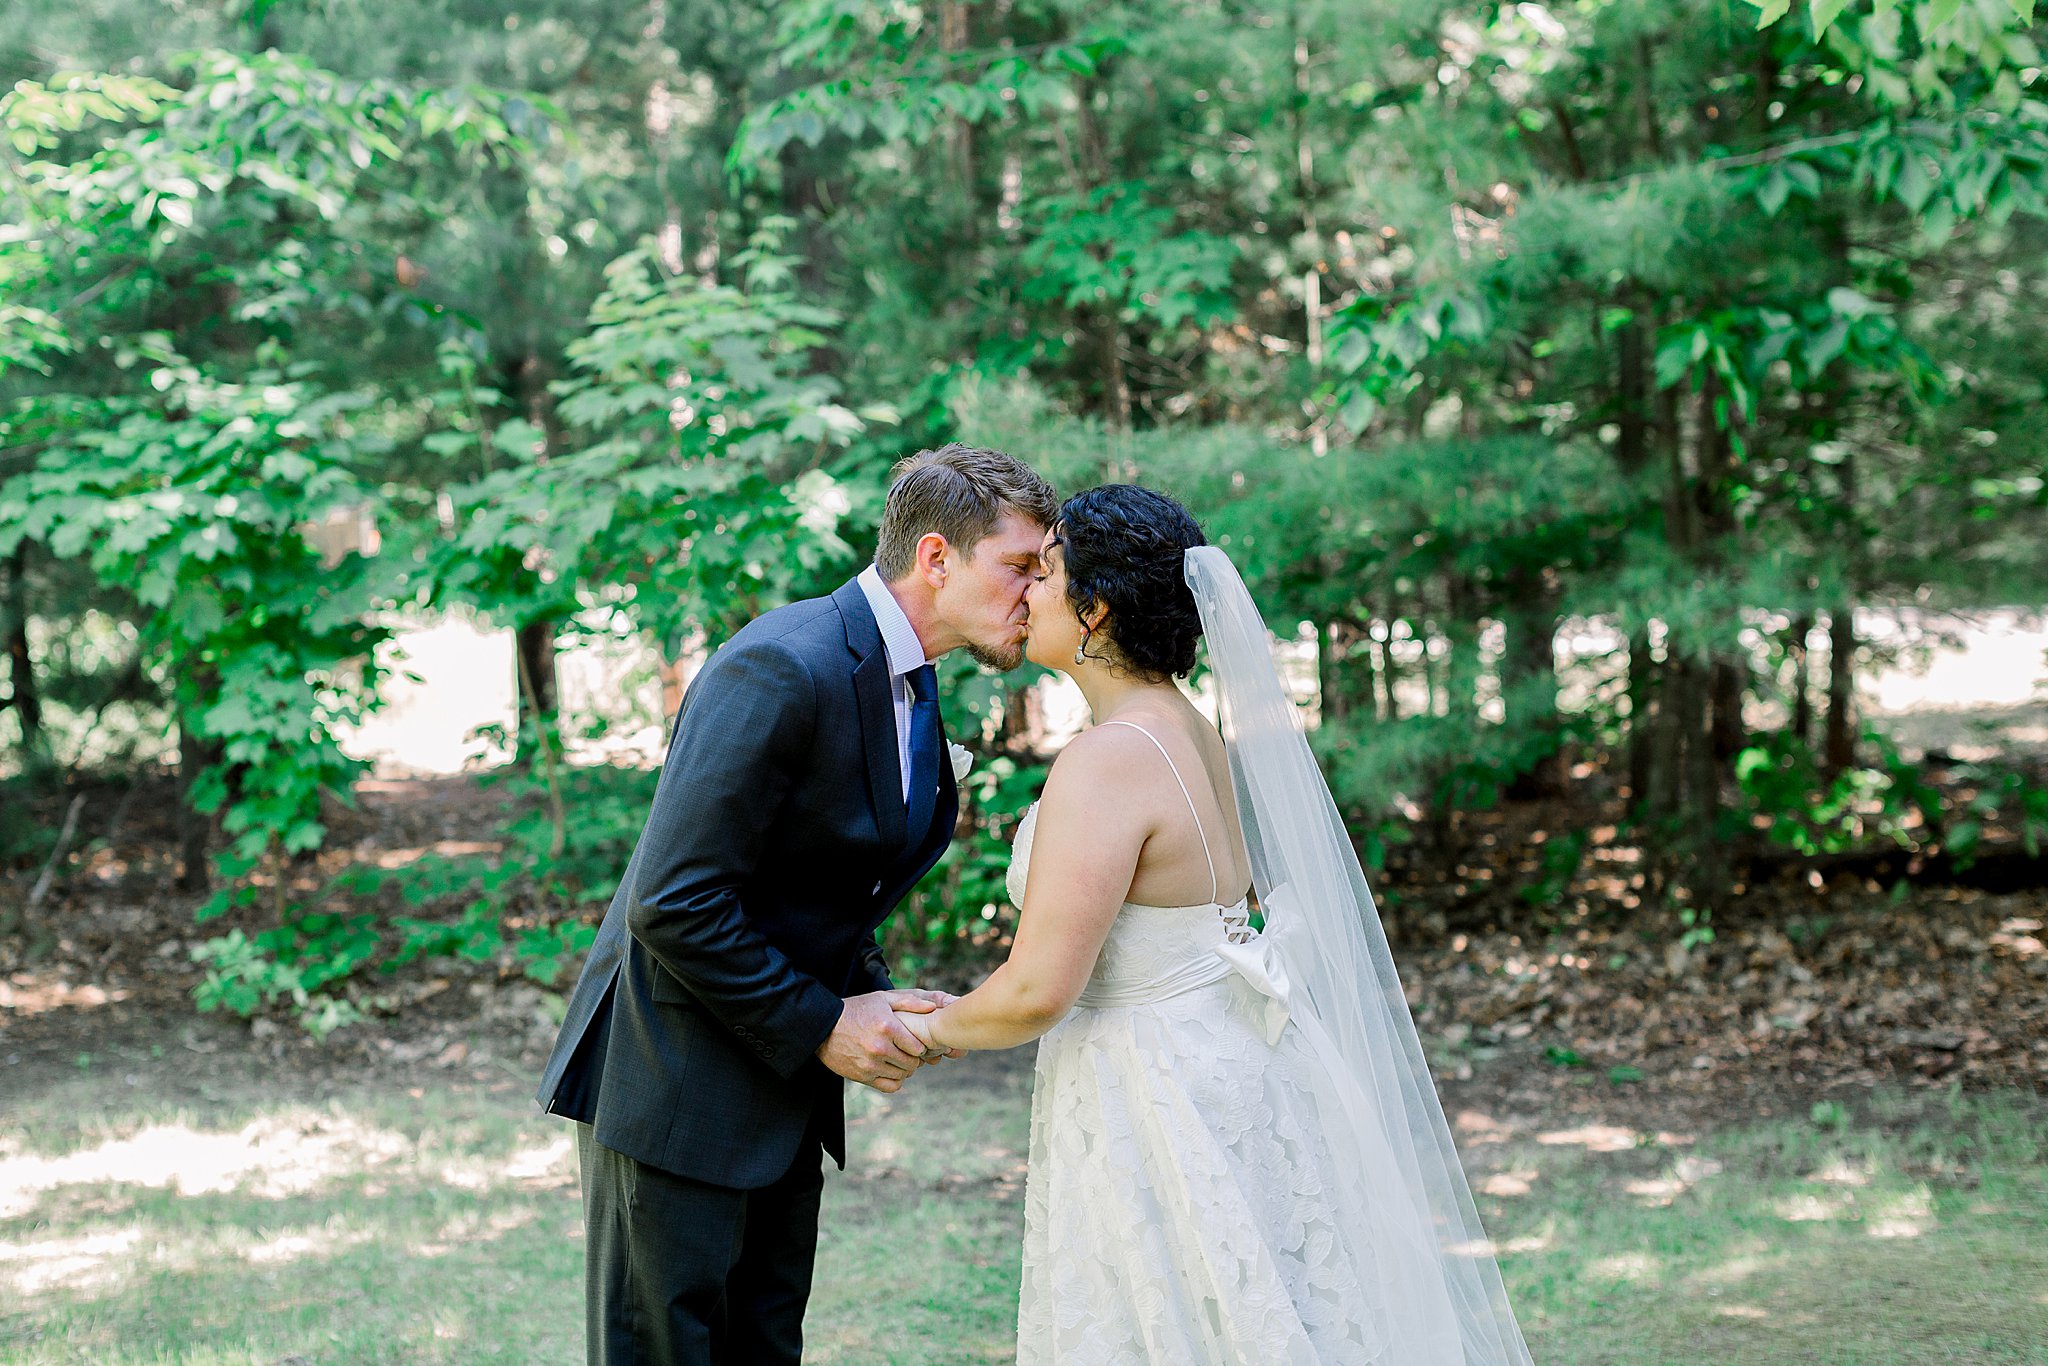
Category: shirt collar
<point>899,637</point>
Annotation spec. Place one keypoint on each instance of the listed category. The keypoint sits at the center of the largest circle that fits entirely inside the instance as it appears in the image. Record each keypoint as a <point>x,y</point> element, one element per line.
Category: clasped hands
<point>878,1042</point>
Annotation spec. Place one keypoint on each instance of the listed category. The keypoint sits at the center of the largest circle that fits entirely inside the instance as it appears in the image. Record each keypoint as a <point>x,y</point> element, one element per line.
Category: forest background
<point>1599,397</point>
<point>1674,325</point>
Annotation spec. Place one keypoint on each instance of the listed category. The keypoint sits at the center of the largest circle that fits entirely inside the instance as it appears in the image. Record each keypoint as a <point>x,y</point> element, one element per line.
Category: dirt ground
<point>1807,993</point>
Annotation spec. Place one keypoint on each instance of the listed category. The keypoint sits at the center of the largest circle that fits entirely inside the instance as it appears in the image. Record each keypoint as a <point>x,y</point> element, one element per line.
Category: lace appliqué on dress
<point>1182,1206</point>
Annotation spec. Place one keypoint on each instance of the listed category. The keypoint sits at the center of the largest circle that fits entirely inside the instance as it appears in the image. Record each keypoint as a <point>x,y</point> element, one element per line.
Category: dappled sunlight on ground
<point>1841,1171</point>
<point>1905,1215</point>
<point>1754,1260</point>
<point>331,1237</point>
<point>1475,1129</point>
<point>274,1157</point>
<point>32,993</point>
<point>371,1227</point>
<point>1495,1247</point>
<point>1507,1184</point>
<point>551,1163</point>
<point>1683,1175</point>
<point>1639,1267</point>
<point>399,858</point>
<point>1813,1207</point>
<point>470,1228</point>
<point>40,1264</point>
<point>1594,1138</point>
<point>424,1223</point>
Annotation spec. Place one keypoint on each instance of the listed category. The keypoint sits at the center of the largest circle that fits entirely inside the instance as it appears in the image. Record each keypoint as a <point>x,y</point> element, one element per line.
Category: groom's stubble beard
<point>1001,658</point>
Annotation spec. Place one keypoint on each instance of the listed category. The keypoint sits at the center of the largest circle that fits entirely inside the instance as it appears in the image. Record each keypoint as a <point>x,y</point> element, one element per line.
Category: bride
<point>1237,1155</point>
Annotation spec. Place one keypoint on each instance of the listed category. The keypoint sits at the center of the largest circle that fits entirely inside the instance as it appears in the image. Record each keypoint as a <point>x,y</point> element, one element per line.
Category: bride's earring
<point>1081,650</point>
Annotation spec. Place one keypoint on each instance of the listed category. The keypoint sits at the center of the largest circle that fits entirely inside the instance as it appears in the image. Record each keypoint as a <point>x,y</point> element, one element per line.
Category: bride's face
<point>1052,631</point>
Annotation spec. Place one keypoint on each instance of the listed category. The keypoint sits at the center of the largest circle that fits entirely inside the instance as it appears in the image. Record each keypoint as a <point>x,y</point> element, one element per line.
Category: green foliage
<point>181,461</point>
<point>695,484</point>
<point>1115,248</point>
<point>287,964</point>
<point>1455,325</point>
<point>962,905</point>
<point>1787,796</point>
<point>2002,795</point>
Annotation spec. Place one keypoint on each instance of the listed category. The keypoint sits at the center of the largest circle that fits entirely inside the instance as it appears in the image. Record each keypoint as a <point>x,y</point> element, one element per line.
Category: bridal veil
<point>1325,961</point>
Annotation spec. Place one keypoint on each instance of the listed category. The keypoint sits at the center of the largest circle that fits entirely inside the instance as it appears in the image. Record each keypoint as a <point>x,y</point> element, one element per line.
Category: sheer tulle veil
<point>1443,1300</point>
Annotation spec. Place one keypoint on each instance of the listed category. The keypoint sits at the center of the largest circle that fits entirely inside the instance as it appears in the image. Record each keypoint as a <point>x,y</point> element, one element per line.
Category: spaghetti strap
<point>1175,770</point>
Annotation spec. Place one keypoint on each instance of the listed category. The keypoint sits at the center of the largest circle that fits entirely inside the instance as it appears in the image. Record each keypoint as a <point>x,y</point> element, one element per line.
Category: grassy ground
<point>264,1216</point>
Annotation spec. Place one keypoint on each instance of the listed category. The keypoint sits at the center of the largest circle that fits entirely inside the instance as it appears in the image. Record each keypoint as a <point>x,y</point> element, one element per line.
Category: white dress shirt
<point>906,654</point>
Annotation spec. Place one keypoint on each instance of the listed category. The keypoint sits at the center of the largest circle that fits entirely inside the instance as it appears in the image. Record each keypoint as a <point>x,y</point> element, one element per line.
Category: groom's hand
<point>870,1045</point>
<point>931,1053</point>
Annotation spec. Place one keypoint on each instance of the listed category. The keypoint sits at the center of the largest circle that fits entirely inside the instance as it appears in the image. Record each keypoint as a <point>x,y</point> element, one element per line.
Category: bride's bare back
<point>1177,775</point>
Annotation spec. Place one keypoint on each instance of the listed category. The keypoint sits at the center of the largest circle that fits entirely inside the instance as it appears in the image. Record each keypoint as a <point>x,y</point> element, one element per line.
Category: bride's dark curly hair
<point>1123,547</point>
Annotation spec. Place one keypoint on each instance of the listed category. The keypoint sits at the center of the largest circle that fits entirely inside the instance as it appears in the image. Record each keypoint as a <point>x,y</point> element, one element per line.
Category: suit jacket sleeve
<point>874,968</point>
<point>739,747</point>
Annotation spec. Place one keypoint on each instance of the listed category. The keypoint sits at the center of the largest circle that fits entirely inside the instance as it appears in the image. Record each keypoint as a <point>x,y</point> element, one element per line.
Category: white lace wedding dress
<point>1182,1204</point>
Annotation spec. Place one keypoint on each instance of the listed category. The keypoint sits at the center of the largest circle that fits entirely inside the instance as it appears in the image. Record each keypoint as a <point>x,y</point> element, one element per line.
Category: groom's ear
<point>932,558</point>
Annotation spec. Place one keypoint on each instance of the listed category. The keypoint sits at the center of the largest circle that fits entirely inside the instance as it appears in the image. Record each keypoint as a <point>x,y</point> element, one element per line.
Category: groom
<point>736,976</point>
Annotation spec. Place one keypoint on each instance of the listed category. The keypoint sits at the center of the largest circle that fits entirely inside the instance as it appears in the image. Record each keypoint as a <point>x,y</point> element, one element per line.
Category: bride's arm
<point>1083,855</point>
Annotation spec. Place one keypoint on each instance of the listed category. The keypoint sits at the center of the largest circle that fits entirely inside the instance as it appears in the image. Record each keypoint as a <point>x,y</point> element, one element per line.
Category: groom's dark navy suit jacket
<point>776,846</point>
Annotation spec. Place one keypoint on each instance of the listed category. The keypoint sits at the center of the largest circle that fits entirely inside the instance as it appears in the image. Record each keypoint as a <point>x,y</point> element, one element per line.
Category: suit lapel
<point>871,690</point>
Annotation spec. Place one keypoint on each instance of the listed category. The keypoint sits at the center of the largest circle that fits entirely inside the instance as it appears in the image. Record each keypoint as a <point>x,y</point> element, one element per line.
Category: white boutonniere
<point>963,759</point>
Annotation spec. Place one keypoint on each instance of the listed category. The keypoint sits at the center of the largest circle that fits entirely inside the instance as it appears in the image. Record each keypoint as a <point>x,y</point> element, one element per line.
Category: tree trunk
<point>1389,667</point>
<point>953,39</point>
<point>1840,748</point>
<point>1642,696</point>
<point>1664,791</point>
<point>1802,678</point>
<point>1633,422</point>
<point>1528,689</point>
<point>22,697</point>
<point>1305,192</point>
<point>1023,718</point>
<point>534,641</point>
<point>1118,383</point>
<point>534,645</point>
<point>1727,672</point>
<point>1333,654</point>
<point>1729,684</point>
<point>195,828</point>
<point>1708,880</point>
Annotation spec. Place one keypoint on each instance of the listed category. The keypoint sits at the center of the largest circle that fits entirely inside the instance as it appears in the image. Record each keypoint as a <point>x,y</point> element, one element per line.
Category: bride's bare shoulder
<point>1097,753</point>
<point>1118,761</point>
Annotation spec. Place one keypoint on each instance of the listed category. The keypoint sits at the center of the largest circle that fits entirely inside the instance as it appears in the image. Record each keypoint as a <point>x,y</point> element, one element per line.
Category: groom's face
<point>983,596</point>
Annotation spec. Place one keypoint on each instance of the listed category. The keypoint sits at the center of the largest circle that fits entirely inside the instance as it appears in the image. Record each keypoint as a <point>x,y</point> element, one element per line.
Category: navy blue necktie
<point>925,743</point>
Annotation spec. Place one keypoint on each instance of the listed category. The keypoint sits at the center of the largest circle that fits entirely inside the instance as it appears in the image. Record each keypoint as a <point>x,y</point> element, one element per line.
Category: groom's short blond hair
<point>961,492</point>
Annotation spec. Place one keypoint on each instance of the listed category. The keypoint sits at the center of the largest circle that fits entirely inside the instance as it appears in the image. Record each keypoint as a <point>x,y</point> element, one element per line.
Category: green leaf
<point>1913,185</point>
<point>1771,11</point>
<point>518,438</point>
<point>1075,59</point>
<point>2024,9</point>
<point>1939,12</point>
<point>1773,191</point>
<point>1822,13</point>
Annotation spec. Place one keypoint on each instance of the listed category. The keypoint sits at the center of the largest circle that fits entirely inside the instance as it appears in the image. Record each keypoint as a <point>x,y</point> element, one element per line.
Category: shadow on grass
<point>1914,1234</point>
<point>443,1226</point>
<point>370,1229</point>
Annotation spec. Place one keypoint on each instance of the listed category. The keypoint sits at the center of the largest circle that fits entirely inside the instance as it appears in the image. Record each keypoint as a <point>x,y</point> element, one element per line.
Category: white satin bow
<point>1254,959</point>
